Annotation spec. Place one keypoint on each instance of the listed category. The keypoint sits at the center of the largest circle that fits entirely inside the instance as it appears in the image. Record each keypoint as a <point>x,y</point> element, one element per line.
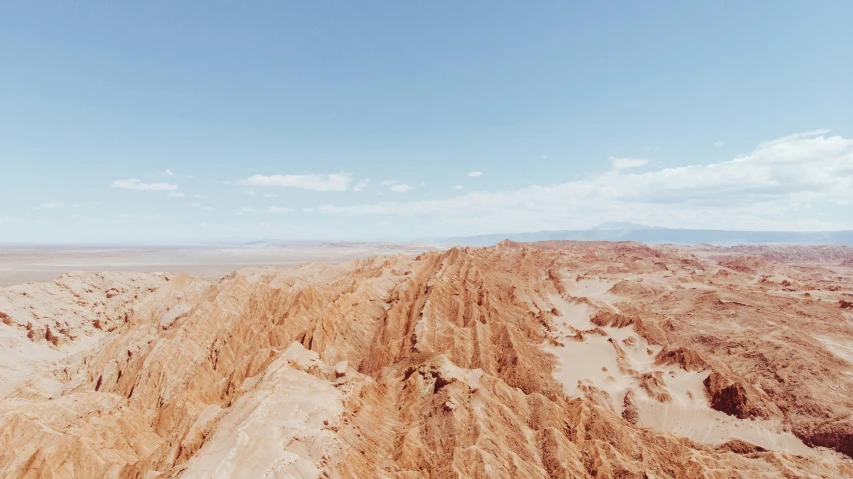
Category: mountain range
<point>657,235</point>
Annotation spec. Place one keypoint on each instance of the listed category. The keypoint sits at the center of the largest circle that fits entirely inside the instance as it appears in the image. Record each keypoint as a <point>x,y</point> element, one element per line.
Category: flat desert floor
<point>28,263</point>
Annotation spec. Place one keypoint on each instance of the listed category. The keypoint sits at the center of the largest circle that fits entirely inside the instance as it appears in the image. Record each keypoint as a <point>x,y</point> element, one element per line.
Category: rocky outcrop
<point>835,434</point>
<point>731,397</point>
<point>611,319</point>
<point>685,358</point>
<point>739,446</point>
<point>744,263</point>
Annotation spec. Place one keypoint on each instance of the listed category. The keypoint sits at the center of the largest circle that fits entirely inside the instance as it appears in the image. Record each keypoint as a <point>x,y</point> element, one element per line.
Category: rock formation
<point>544,360</point>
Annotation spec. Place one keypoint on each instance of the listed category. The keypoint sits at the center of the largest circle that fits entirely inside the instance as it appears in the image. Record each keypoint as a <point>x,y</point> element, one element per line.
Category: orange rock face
<point>545,360</point>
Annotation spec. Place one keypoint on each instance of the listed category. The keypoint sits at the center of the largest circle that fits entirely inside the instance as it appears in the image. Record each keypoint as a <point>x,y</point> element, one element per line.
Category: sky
<point>216,121</point>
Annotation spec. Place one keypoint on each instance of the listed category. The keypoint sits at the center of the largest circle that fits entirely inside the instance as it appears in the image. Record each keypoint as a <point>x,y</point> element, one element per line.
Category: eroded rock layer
<point>541,360</point>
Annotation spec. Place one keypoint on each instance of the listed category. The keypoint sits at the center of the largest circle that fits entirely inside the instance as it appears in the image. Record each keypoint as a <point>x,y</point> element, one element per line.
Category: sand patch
<point>572,314</point>
<point>591,362</point>
<point>588,288</point>
<point>614,360</point>
<point>688,415</point>
<point>843,350</point>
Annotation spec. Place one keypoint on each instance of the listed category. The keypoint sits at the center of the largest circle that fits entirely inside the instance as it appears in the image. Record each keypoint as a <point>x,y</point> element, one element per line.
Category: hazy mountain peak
<point>620,225</point>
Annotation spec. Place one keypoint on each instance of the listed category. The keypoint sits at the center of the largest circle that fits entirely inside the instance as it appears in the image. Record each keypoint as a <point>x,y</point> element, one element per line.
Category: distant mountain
<point>621,225</point>
<point>651,235</point>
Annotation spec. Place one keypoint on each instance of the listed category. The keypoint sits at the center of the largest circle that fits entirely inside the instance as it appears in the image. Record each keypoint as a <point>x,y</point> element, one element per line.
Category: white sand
<point>688,415</point>
<point>595,362</point>
<point>843,350</point>
<point>588,288</point>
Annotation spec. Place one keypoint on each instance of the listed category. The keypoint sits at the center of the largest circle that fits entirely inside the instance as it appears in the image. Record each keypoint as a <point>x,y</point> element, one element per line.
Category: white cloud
<point>223,182</point>
<point>458,187</point>
<point>169,172</point>
<point>761,190</point>
<point>201,206</point>
<point>151,216</point>
<point>332,182</point>
<point>191,177</point>
<point>198,196</point>
<point>248,192</point>
<point>627,162</point>
<point>176,194</point>
<point>47,206</point>
<point>270,195</point>
<point>271,209</point>
<point>475,173</point>
<point>719,144</point>
<point>361,185</point>
<point>135,184</point>
<point>396,186</point>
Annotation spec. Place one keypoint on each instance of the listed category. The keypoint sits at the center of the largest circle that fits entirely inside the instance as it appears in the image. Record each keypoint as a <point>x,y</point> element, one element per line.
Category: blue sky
<point>186,121</point>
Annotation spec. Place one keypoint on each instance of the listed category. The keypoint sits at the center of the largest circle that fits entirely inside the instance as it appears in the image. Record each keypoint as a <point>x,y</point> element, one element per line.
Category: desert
<point>534,360</point>
<point>426,240</point>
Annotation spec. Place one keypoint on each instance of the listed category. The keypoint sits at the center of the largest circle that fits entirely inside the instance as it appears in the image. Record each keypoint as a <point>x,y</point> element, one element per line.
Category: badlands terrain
<point>538,360</point>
